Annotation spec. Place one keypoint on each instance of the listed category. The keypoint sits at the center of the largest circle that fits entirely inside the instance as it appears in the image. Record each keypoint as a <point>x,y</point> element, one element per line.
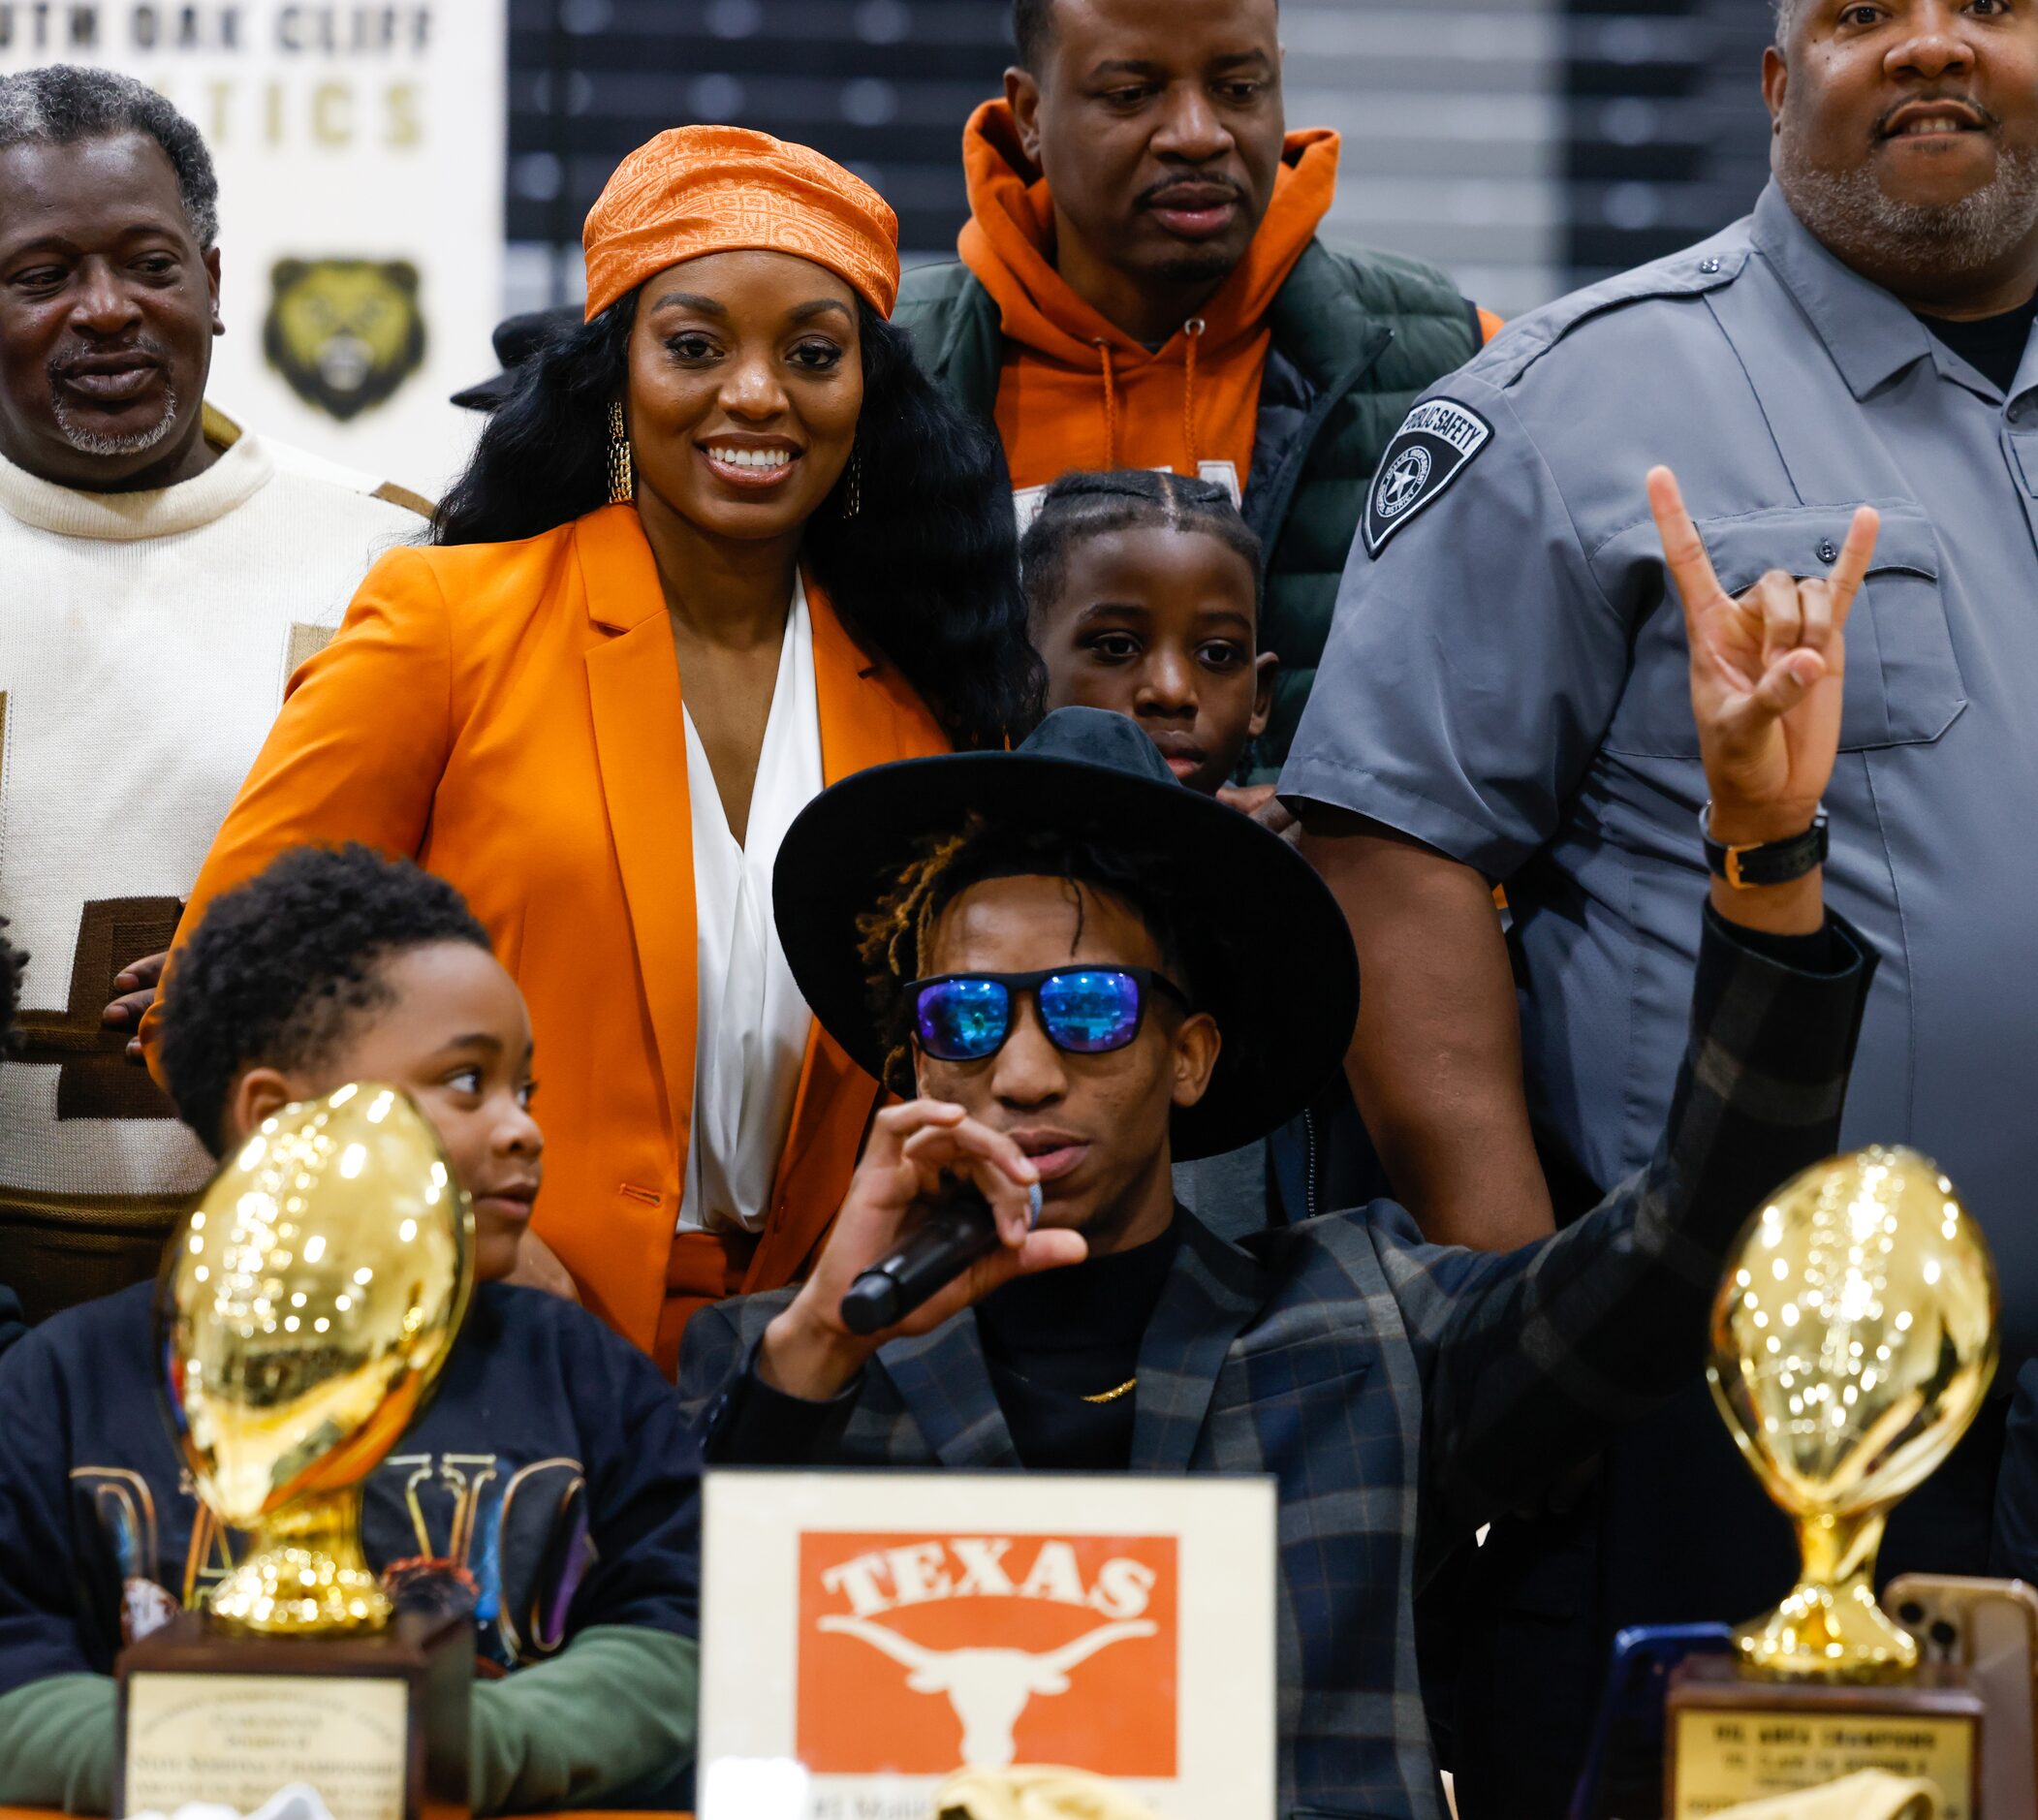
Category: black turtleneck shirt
<point>1049,1341</point>
<point>1054,1339</point>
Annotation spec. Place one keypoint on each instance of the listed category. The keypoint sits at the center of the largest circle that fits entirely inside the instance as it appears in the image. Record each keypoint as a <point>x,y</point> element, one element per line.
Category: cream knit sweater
<point>144,643</point>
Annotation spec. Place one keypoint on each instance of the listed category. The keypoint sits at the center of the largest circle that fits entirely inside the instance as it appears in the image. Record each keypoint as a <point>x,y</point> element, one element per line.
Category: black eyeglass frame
<point>1019,985</point>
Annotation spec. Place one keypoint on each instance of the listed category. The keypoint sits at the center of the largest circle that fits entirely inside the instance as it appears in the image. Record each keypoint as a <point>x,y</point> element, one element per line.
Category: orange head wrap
<point>718,189</point>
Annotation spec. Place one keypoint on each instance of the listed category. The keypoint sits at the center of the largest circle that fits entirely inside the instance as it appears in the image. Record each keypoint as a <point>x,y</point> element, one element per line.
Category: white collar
<point>244,467</point>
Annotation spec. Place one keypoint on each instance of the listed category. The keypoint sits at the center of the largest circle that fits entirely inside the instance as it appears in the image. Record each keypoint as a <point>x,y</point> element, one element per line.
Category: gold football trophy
<point>305,1311</point>
<point>1854,1338</point>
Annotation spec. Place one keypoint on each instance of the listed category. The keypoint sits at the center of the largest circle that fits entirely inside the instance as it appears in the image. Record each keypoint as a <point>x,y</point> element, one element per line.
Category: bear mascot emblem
<point>345,333</point>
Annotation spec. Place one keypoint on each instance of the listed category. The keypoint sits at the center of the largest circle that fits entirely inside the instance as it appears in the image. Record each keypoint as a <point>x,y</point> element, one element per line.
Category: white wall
<point>1452,120</point>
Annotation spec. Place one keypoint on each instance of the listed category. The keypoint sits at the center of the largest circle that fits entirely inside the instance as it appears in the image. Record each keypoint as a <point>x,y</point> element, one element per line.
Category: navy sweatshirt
<point>549,1478</point>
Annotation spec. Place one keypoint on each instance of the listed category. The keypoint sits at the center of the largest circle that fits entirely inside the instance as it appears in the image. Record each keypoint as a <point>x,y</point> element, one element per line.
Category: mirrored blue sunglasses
<point>1086,1011</point>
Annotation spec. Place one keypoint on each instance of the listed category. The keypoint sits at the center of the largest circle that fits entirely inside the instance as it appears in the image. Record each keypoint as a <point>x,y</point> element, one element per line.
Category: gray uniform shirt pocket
<point>1903,682</point>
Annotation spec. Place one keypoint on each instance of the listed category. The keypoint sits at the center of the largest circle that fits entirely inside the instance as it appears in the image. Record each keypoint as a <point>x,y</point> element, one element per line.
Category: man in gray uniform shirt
<point>1500,701</point>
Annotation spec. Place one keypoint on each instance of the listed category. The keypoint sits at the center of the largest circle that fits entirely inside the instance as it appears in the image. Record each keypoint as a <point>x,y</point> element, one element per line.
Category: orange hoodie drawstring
<point>1193,330</point>
<point>1111,403</point>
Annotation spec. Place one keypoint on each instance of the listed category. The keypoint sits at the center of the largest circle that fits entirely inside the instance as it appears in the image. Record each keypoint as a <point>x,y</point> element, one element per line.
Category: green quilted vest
<point>1366,333</point>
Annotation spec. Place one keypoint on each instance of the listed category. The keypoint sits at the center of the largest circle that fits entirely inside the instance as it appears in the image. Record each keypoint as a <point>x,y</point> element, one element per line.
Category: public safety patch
<point>1428,451</point>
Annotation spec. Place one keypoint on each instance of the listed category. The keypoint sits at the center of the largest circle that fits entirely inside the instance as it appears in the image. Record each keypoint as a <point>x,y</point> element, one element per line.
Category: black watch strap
<point>1770,862</point>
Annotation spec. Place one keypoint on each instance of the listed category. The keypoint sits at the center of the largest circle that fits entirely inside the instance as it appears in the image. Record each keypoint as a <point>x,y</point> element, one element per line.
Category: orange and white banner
<point>872,1633</point>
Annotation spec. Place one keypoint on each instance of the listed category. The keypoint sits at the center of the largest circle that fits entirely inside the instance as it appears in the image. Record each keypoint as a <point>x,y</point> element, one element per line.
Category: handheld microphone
<point>928,1259</point>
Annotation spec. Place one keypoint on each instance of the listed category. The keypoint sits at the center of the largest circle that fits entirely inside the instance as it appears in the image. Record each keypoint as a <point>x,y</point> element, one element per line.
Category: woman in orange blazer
<point>723,543</point>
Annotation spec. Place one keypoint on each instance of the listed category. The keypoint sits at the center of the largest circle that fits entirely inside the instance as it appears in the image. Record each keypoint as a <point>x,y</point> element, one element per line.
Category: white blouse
<point>751,1029</point>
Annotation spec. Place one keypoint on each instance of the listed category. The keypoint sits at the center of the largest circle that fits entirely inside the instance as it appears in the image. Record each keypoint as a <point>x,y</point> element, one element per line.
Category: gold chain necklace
<point>1112,1396</point>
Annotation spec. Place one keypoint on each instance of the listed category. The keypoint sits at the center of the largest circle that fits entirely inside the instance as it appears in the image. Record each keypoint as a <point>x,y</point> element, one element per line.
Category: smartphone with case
<point>1989,1627</point>
<point>1622,1779</point>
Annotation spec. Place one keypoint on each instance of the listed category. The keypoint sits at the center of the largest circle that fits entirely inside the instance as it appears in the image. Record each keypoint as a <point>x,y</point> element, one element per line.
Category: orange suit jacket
<point>509,714</point>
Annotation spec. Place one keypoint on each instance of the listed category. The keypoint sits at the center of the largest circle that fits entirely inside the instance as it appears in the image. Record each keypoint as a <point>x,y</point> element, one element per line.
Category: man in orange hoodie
<point>1141,285</point>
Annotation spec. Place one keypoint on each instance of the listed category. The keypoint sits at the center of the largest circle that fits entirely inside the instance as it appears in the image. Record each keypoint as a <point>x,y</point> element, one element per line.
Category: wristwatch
<point>1768,861</point>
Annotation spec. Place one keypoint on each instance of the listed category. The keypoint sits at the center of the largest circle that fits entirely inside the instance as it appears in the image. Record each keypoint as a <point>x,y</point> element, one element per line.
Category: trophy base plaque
<point>1730,1737</point>
<point>377,1724</point>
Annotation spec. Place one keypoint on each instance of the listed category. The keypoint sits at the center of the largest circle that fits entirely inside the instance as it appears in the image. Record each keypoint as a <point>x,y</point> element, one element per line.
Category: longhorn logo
<point>997,1625</point>
<point>987,1688</point>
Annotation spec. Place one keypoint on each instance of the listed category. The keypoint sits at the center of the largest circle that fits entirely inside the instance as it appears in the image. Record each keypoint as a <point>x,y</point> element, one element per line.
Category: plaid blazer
<point>1401,1393</point>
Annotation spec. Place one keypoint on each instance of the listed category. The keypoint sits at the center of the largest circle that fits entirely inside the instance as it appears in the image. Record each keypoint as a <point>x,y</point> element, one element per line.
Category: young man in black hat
<point>1088,971</point>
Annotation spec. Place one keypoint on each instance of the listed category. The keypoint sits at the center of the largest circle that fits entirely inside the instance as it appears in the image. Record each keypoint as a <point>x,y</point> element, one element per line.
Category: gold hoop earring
<point>622,475</point>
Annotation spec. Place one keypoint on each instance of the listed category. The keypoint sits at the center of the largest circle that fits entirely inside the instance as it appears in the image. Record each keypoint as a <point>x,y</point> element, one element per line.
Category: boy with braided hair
<point>1144,589</point>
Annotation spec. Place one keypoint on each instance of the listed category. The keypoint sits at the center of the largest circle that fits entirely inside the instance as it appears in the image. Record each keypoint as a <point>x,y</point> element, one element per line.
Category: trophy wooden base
<point>378,1725</point>
<point>1729,1738</point>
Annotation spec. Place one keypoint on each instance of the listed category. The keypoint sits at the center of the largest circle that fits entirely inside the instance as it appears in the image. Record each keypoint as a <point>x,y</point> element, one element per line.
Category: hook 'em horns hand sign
<point>1766,675</point>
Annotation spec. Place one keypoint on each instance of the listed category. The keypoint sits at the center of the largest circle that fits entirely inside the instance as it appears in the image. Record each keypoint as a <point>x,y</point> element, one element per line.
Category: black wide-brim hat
<point>1290,996</point>
<point>516,339</point>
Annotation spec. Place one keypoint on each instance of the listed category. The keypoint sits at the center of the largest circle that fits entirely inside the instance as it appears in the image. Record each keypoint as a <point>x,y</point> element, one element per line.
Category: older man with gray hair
<point>165,569</point>
<point>1499,702</point>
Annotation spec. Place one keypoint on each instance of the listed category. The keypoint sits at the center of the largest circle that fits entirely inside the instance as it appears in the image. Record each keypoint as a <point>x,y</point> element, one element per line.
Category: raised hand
<point>1766,675</point>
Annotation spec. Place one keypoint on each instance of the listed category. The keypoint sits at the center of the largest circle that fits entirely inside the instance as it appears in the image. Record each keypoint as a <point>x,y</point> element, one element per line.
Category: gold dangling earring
<point>853,496</point>
<point>622,476</point>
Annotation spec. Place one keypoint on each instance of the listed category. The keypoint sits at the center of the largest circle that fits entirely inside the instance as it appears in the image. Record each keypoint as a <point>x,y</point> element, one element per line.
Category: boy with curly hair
<point>549,1484</point>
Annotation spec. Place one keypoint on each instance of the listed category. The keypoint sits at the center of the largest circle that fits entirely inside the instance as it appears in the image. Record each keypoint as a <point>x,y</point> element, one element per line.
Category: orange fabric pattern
<point>1078,392</point>
<point>509,714</point>
<point>717,189</point>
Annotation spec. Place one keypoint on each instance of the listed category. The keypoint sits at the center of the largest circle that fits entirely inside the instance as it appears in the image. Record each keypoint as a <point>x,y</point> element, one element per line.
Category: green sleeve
<point>614,1709</point>
<point>56,1743</point>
